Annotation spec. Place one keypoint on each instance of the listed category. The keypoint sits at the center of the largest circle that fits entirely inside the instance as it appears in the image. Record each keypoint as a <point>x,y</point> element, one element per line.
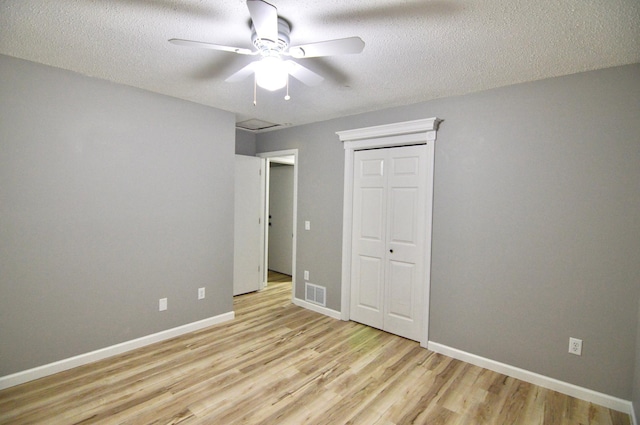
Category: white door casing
<point>398,134</point>
<point>388,239</point>
<point>290,157</point>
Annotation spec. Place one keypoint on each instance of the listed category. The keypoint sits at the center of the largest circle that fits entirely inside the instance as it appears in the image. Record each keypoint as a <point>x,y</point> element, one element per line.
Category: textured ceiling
<point>415,50</point>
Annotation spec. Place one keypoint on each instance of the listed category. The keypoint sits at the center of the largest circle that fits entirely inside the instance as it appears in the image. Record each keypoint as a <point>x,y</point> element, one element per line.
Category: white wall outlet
<point>306,275</point>
<point>575,346</point>
<point>307,225</point>
<point>200,293</point>
<point>162,305</point>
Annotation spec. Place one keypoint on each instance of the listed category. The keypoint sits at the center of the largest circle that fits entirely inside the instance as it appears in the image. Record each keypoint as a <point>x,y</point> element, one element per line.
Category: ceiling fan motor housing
<point>268,47</point>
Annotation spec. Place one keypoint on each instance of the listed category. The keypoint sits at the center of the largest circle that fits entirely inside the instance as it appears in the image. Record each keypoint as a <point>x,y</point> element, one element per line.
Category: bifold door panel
<point>388,238</point>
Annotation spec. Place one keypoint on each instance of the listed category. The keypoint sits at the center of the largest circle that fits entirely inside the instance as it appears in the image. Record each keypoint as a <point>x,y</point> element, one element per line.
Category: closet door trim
<point>390,135</point>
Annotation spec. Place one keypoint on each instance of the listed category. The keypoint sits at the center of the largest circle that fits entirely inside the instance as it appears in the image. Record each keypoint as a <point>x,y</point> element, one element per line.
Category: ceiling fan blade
<point>190,43</point>
<point>242,73</point>
<point>265,19</point>
<point>303,74</point>
<point>340,46</point>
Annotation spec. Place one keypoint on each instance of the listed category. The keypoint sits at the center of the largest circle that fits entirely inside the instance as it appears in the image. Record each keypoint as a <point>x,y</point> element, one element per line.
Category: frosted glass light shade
<point>271,73</point>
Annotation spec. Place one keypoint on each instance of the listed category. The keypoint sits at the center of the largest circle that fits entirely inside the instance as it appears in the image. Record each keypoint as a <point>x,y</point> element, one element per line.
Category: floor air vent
<point>316,294</point>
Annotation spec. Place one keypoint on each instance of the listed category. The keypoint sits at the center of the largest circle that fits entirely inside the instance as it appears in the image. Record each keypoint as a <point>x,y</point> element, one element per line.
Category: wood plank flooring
<point>280,364</point>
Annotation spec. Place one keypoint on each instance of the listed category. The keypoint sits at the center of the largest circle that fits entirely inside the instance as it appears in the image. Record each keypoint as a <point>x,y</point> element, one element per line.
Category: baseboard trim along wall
<point>317,308</point>
<point>586,394</point>
<point>82,359</point>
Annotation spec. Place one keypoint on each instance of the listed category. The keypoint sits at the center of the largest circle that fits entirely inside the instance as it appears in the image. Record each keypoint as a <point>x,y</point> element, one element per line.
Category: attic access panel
<point>255,124</point>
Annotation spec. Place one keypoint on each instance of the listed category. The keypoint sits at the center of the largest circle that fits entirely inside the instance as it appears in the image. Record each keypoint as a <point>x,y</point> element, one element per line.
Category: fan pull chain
<point>287,97</point>
<point>255,89</point>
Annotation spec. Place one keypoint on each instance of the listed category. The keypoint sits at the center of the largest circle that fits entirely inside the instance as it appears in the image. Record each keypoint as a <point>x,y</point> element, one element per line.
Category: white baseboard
<point>317,308</point>
<point>586,394</point>
<point>82,359</point>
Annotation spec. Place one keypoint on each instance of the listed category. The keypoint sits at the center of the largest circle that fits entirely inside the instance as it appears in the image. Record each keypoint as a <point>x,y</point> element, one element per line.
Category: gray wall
<point>110,198</point>
<point>320,181</point>
<point>245,143</point>
<point>536,232</point>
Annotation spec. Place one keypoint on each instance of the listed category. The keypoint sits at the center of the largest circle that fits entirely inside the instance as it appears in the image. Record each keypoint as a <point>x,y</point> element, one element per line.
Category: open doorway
<point>280,224</point>
<point>280,217</point>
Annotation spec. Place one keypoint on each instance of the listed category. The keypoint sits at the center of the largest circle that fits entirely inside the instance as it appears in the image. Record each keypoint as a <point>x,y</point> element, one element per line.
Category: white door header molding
<point>422,130</point>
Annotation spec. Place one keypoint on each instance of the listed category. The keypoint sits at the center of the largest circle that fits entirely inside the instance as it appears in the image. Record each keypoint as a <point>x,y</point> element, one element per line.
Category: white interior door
<point>388,239</point>
<point>248,212</point>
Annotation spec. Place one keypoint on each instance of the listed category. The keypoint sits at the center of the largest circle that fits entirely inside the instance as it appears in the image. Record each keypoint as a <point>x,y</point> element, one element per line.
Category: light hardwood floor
<point>280,364</point>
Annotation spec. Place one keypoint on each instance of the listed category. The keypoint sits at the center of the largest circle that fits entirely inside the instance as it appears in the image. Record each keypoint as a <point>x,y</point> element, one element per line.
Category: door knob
<point>391,251</point>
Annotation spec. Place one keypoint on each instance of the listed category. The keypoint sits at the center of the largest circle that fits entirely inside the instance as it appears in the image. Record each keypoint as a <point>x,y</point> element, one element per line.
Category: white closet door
<point>388,239</point>
<point>368,238</point>
<point>406,202</point>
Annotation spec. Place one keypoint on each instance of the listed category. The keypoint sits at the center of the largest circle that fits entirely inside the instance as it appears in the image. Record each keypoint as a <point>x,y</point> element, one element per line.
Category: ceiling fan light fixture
<point>270,37</point>
<point>271,73</point>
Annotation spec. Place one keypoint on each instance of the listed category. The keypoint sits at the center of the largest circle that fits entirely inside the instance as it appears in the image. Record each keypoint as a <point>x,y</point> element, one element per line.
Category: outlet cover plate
<point>162,304</point>
<point>575,346</point>
<point>201,293</point>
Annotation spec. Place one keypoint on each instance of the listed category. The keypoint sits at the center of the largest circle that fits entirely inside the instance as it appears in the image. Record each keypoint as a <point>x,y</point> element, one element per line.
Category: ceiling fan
<point>270,37</point>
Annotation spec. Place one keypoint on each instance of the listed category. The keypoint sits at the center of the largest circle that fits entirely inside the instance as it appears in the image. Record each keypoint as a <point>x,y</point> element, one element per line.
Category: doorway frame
<point>269,158</point>
<point>406,133</point>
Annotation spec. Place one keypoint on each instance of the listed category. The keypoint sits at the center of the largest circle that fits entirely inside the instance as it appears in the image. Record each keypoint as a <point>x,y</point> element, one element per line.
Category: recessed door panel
<point>372,167</point>
<point>368,291</point>
<point>405,166</point>
<point>401,281</point>
<point>403,215</point>
<point>370,283</point>
<point>372,213</point>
